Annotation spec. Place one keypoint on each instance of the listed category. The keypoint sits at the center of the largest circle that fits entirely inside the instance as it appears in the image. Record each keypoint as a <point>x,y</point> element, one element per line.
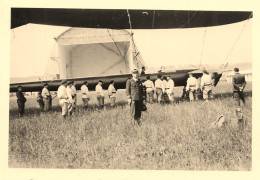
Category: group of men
<point>194,86</point>
<point>137,93</point>
<point>162,89</point>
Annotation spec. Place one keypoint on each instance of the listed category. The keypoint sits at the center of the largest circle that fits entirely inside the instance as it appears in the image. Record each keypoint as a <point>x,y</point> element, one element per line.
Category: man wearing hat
<point>63,98</point>
<point>84,91</point>
<point>20,100</point>
<point>206,85</point>
<point>239,84</point>
<point>134,90</point>
<point>46,97</point>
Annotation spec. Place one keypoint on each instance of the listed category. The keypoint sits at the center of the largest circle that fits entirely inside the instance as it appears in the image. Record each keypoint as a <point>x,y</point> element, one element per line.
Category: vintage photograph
<point>130,89</point>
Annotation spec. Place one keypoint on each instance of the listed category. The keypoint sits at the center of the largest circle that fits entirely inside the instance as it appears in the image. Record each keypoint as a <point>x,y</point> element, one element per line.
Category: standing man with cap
<point>20,100</point>
<point>239,84</point>
<point>112,93</point>
<point>100,94</point>
<point>149,89</point>
<point>191,87</point>
<point>169,89</point>
<point>85,96</point>
<point>46,97</point>
<point>206,85</point>
<point>134,89</point>
<point>63,98</point>
<point>159,88</point>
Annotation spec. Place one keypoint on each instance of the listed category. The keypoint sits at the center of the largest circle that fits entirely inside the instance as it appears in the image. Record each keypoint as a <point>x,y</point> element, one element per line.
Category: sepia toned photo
<point>130,89</point>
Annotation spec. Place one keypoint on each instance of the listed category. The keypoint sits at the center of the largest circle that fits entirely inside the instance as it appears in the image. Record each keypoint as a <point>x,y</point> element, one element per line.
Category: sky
<point>31,46</point>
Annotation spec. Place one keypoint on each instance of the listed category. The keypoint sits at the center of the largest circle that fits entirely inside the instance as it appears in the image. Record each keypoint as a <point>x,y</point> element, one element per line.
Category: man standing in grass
<point>46,97</point>
<point>191,87</point>
<point>74,93</point>
<point>71,101</point>
<point>159,88</point>
<point>100,94</point>
<point>40,101</point>
<point>239,84</point>
<point>149,89</point>
<point>20,100</point>
<point>63,98</point>
<point>206,85</point>
<point>169,89</point>
<point>112,93</point>
<point>84,91</point>
<point>134,89</point>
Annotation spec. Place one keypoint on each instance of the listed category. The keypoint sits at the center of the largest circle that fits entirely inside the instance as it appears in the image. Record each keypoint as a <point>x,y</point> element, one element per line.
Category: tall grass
<point>175,137</point>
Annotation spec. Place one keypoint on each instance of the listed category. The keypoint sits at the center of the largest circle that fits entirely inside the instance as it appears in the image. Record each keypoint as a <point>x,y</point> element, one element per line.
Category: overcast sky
<point>31,46</point>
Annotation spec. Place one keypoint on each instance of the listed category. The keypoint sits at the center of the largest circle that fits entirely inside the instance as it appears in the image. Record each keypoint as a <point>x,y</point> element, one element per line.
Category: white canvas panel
<point>99,59</point>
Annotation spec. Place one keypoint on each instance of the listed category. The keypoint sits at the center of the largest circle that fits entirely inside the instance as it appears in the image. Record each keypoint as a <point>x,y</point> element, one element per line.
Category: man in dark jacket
<point>239,84</point>
<point>134,89</point>
<point>20,100</point>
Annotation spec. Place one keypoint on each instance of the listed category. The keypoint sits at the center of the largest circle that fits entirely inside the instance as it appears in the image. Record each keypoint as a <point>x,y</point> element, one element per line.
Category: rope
<point>129,19</point>
<point>237,39</point>
<point>109,49</point>
<point>114,42</point>
<point>204,37</point>
<point>189,19</point>
<point>153,19</point>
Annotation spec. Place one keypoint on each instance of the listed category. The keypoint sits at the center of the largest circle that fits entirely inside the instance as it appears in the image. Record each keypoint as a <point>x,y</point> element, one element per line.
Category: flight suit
<point>134,91</point>
<point>239,84</point>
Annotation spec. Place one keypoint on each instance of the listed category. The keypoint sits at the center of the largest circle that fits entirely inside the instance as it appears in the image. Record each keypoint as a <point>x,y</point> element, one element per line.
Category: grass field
<point>172,137</point>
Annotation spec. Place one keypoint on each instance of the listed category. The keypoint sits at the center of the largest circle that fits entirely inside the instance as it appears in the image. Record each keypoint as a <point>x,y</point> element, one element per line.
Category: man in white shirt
<point>63,98</point>
<point>74,93</point>
<point>191,87</point>
<point>100,94</point>
<point>165,95</point>
<point>149,89</point>
<point>169,89</point>
<point>46,97</point>
<point>112,93</point>
<point>85,96</point>
<point>159,88</point>
<point>71,102</point>
<point>206,85</point>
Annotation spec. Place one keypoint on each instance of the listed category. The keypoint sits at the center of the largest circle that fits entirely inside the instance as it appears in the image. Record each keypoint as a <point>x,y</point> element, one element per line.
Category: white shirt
<point>73,90</point>
<point>111,90</point>
<point>170,86</point>
<point>192,83</point>
<point>149,85</point>
<point>205,80</point>
<point>159,84</point>
<point>84,91</point>
<point>45,93</point>
<point>62,94</point>
<point>99,90</point>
